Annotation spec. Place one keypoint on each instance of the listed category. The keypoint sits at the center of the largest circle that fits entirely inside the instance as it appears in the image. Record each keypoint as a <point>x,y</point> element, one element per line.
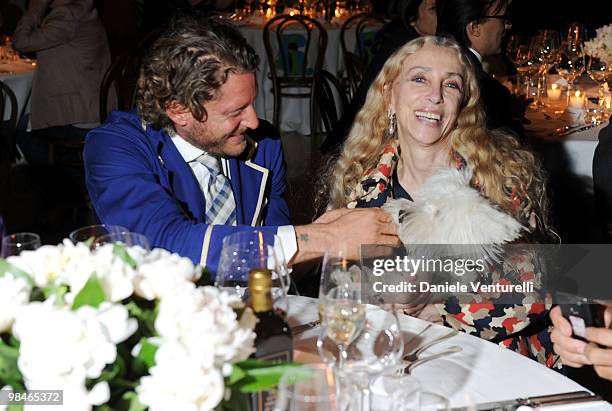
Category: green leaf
<point>89,242</point>
<point>91,294</point>
<point>6,267</point>
<point>262,375</point>
<point>110,373</point>
<point>122,253</point>
<point>9,371</point>
<point>147,352</point>
<point>15,407</point>
<point>55,290</point>
<point>236,375</point>
<point>145,316</point>
<point>135,404</point>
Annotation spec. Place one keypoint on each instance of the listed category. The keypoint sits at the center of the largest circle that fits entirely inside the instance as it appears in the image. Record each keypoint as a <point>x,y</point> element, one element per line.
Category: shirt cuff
<point>286,235</point>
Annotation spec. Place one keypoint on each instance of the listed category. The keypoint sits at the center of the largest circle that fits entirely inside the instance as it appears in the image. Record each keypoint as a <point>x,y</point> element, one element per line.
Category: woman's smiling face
<point>427,94</point>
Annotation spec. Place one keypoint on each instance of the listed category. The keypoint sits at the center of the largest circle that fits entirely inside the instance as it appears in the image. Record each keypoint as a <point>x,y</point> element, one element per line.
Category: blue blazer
<point>136,178</point>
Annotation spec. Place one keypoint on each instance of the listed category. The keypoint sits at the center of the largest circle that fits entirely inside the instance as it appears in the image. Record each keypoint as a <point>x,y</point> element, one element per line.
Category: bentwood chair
<point>330,100</point>
<point>121,77</point>
<point>355,69</point>
<point>358,34</point>
<point>295,48</point>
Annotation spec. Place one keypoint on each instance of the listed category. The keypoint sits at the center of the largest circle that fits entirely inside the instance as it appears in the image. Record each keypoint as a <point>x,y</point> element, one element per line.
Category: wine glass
<point>518,51</point>
<point>90,233</point>
<point>311,387</point>
<point>601,72</point>
<point>14,244</point>
<point>377,349</point>
<point>570,63</point>
<point>545,49</point>
<point>245,250</point>
<point>337,271</point>
<point>343,317</point>
<point>125,238</point>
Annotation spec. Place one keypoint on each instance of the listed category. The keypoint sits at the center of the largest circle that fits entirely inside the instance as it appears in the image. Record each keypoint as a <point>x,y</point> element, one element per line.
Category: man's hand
<point>362,226</point>
<point>344,230</point>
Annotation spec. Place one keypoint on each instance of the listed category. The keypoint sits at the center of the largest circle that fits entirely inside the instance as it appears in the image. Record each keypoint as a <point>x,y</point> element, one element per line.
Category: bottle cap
<point>260,285</point>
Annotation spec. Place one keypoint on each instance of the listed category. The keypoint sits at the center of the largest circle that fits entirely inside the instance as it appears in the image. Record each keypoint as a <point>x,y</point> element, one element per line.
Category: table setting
<point>568,79</point>
<point>348,354</point>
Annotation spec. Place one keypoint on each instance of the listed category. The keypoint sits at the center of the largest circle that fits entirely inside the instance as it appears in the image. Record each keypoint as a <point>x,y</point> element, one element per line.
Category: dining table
<point>481,372</point>
<point>18,75</point>
<point>552,127</point>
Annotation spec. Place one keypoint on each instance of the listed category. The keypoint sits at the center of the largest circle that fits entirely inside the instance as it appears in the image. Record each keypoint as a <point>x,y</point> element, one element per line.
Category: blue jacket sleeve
<point>126,189</point>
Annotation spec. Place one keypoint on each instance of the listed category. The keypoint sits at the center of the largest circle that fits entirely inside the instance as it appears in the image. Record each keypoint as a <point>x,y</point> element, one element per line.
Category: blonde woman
<point>422,114</point>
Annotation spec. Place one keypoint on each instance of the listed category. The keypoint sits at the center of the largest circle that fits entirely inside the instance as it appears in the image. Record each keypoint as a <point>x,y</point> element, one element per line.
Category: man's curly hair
<point>188,64</point>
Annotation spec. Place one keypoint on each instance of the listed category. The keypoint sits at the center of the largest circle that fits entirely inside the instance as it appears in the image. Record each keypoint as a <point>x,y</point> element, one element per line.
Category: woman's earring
<point>392,122</point>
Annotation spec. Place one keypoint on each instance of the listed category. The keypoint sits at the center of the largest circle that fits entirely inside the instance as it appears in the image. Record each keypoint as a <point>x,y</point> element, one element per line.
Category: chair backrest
<point>355,68</point>
<point>295,47</point>
<point>121,77</point>
<point>330,100</point>
<point>361,29</point>
<point>8,125</point>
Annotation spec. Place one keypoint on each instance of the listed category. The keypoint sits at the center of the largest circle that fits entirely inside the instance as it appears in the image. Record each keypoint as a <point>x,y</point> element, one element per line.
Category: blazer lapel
<point>181,181</point>
<point>248,182</point>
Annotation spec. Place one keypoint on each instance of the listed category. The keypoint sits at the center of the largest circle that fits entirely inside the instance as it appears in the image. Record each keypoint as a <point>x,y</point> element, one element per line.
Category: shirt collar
<point>477,54</point>
<point>188,151</point>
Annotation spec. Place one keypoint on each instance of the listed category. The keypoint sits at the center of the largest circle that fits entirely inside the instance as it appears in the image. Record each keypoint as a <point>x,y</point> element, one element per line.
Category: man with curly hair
<point>194,163</point>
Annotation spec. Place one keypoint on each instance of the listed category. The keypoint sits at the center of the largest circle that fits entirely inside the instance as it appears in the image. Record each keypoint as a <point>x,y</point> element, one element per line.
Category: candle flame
<point>555,86</point>
<point>577,94</point>
<point>261,249</point>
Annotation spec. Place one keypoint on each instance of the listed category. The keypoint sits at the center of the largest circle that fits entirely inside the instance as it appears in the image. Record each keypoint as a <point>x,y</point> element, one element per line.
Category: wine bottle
<point>274,341</point>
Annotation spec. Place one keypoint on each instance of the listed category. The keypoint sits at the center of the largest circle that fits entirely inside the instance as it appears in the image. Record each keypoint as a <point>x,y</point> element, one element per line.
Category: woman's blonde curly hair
<point>503,171</point>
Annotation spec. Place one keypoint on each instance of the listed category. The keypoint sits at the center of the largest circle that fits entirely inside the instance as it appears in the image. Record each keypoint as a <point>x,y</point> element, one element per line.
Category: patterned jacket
<point>516,321</point>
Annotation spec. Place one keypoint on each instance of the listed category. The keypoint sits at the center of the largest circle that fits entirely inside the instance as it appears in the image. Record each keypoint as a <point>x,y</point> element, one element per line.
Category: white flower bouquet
<point>123,328</point>
<point>601,45</point>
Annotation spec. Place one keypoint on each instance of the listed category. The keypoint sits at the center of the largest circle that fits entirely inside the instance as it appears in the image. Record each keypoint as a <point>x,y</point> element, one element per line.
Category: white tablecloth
<point>18,76</point>
<point>578,146</point>
<point>482,372</point>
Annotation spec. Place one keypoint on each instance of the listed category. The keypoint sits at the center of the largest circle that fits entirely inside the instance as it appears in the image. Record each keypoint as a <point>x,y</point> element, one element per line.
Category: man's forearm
<point>312,241</point>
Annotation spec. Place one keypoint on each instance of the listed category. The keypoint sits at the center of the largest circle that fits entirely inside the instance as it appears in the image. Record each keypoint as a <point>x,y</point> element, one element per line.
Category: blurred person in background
<point>413,18</point>
<point>72,51</point>
<point>479,27</point>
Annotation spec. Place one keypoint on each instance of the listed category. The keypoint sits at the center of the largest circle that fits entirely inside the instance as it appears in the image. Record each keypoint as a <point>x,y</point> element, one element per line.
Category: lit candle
<point>577,100</point>
<point>554,93</point>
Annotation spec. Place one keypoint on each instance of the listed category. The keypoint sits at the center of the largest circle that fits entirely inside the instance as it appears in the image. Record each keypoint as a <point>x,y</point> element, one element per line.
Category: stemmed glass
<point>125,238</point>
<point>246,250</point>
<point>337,271</point>
<point>312,387</point>
<point>377,349</point>
<point>14,244</point>
<point>601,72</point>
<point>545,49</point>
<point>90,233</point>
<point>571,61</point>
<point>519,53</point>
<point>342,317</point>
